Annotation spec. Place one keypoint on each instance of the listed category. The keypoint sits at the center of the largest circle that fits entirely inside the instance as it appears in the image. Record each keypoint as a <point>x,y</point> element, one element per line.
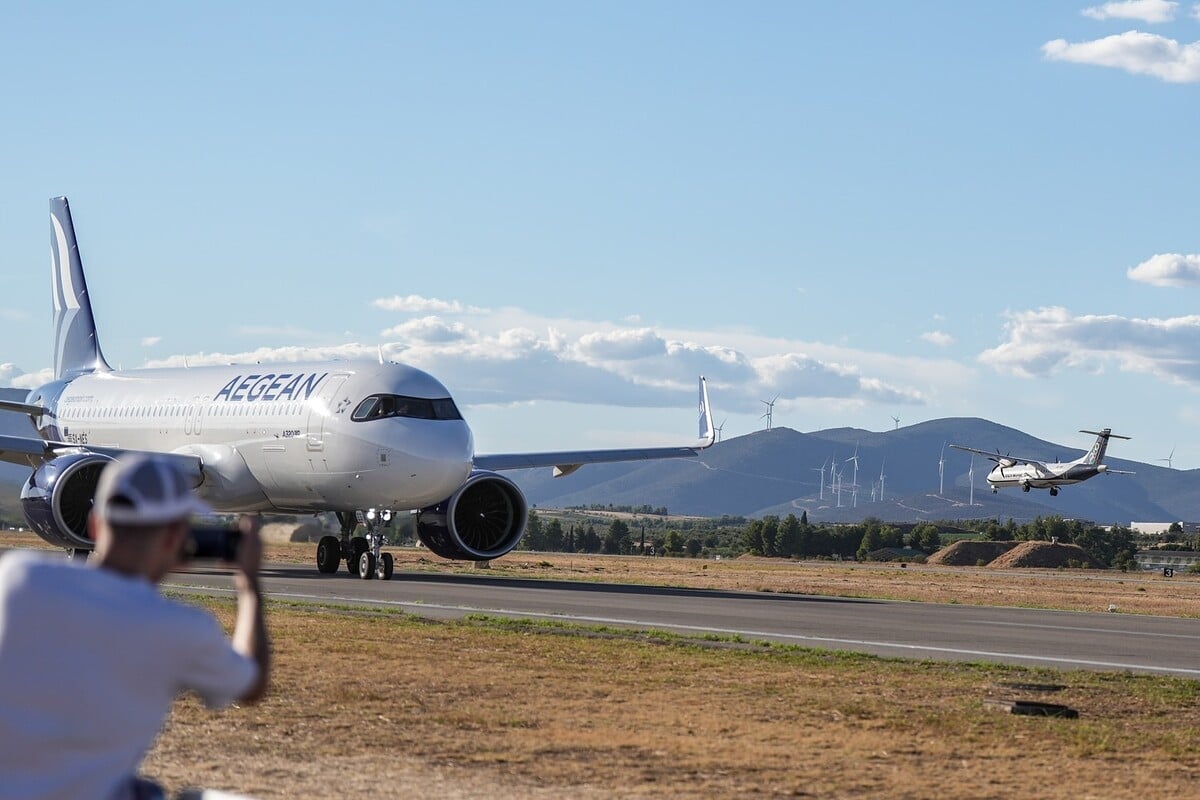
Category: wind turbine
<point>720,428</point>
<point>770,410</point>
<point>941,469</point>
<point>971,479</point>
<point>854,479</point>
<point>821,469</point>
<point>897,421</point>
<point>1168,458</point>
<point>836,475</point>
<point>882,477</point>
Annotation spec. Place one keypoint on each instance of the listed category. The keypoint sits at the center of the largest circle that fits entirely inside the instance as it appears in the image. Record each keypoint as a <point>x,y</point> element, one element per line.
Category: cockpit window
<point>381,406</point>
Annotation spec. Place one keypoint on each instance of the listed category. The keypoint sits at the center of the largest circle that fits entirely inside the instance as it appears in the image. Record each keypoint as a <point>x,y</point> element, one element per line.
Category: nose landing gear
<point>362,553</point>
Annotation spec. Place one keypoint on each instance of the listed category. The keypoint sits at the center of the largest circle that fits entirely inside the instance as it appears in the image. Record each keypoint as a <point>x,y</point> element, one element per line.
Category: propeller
<point>1003,460</point>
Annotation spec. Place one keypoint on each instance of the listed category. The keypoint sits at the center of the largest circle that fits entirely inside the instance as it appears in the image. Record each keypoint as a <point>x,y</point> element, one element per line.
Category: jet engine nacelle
<point>484,519</point>
<point>57,498</point>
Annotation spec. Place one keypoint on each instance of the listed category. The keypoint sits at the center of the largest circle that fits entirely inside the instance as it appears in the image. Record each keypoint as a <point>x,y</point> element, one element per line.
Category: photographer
<point>93,657</point>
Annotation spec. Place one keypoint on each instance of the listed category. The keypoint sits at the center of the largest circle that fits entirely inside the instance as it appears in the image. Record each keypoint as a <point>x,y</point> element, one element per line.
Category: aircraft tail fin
<point>708,432</point>
<point>76,345</point>
<point>1096,454</point>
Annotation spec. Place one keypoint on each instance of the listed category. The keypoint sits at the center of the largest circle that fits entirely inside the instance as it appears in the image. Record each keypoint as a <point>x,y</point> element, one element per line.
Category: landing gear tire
<point>383,569</point>
<point>1025,487</point>
<point>366,565</point>
<point>358,546</point>
<point>994,490</point>
<point>1054,491</point>
<point>329,554</point>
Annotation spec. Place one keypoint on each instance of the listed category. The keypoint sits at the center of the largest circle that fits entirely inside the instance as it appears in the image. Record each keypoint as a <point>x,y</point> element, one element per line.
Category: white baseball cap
<point>145,490</point>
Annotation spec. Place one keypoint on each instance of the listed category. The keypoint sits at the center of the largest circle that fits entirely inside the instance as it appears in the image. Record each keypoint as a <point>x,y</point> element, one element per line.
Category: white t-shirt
<point>90,663</point>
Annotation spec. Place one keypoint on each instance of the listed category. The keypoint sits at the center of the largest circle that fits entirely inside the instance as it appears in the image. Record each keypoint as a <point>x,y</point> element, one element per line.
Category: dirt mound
<point>969,554</point>
<point>1044,554</point>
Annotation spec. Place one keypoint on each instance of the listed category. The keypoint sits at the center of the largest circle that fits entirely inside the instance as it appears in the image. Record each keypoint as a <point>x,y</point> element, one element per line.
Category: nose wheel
<point>1054,491</point>
<point>362,554</point>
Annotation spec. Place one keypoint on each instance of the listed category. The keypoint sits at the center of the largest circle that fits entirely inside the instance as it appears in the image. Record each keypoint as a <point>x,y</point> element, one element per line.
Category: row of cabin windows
<point>377,406</point>
<point>215,410</point>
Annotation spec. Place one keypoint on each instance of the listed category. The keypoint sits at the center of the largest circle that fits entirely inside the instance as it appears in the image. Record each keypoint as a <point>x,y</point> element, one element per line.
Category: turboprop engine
<point>484,519</point>
<point>57,498</point>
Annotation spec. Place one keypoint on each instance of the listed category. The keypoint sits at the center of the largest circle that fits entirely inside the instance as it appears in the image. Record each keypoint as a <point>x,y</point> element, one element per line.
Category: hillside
<point>779,472</point>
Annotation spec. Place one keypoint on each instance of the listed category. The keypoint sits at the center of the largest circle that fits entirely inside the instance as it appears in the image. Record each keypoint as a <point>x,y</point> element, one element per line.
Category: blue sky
<point>567,211</point>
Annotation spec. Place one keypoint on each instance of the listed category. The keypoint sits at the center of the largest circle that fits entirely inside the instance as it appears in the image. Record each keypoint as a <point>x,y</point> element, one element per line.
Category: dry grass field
<point>367,703</point>
<point>1068,589</point>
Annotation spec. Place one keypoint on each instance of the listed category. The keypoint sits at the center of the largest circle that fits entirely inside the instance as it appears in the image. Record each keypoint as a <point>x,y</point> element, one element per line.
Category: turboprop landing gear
<point>1024,487</point>
<point>1054,491</point>
<point>995,490</point>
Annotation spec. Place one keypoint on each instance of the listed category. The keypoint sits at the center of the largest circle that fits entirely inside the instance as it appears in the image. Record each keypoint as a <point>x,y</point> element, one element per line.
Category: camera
<point>212,542</point>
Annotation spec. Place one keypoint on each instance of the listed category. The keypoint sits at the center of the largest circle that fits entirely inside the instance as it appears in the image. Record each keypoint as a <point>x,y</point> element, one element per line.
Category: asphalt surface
<point>1060,639</point>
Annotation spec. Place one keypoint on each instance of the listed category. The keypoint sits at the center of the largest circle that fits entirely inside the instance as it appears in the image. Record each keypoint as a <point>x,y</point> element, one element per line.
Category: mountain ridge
<point>780,471</point>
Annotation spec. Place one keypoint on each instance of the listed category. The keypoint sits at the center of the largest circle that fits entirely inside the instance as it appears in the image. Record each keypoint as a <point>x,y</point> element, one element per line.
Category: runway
<point>1059,639</point>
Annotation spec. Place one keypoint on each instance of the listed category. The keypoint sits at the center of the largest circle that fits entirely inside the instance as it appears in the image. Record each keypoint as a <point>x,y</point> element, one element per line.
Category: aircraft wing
<point>23,450</point>
<point>32,452</point>
<point>567,461</point>
<point>995,455</point>
<point>23,408</point>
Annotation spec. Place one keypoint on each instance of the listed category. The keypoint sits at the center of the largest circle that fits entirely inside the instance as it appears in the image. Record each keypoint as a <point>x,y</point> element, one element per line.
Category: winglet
<point>76,347</point>
<point>708,433</point>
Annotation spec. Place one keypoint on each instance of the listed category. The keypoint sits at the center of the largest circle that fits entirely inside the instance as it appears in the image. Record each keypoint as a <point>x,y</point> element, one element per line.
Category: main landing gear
<point>1054,491</point>
<point>361,553</point>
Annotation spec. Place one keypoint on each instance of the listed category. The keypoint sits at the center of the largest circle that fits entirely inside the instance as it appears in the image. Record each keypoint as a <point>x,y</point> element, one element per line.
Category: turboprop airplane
<point>363,439</point>
<point>1029,473</point>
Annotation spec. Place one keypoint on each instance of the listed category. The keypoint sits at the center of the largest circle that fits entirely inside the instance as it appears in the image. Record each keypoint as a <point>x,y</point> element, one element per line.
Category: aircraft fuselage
<point>281,437</point>
<point>1022,475</point>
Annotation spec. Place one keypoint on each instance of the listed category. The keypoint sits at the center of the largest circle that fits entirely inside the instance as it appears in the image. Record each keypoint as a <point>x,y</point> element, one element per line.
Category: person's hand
<point>249,554</point>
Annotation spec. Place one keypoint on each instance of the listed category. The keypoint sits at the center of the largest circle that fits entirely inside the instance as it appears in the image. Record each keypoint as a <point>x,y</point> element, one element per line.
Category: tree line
<point>794,537</point>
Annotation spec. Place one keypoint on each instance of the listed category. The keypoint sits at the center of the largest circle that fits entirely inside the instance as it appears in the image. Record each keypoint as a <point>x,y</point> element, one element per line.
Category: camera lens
<point>213,543</point>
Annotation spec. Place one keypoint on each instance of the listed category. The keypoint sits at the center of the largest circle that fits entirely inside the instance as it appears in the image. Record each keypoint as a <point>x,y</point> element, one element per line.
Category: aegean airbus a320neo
<point>364,439</point>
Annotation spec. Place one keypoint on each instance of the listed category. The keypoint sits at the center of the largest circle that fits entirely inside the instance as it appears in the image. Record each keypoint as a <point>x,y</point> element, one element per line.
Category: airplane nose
<point>430,460</point>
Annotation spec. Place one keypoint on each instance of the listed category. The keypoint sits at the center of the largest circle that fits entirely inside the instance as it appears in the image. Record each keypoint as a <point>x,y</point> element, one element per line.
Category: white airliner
<point>363,439</point>
<point>1029,473</point>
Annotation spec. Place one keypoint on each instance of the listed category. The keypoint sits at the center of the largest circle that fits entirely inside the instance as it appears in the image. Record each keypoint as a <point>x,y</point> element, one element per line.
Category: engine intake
<point>484,519</point>
<point>57,498</point>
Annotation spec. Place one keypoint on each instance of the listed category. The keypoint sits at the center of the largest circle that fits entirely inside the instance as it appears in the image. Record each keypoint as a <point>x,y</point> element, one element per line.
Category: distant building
<point>1158,559</point>
<point>1162,528</point>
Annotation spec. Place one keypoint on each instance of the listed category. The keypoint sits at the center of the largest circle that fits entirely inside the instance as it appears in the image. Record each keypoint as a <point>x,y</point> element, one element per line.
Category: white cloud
<point>1168,269</point>
<point>1144,10</point>
<point>416,304</point>
<point>940,338</point>
<point>1047,340</point>
<point>14,314</point>
<point>150,341</point>
<point>1135,52</point>
<point>13,376</point>
<point>1196,11</point>
<point>622,345</point>
<point>503,359</point>
<point>428,329</point>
